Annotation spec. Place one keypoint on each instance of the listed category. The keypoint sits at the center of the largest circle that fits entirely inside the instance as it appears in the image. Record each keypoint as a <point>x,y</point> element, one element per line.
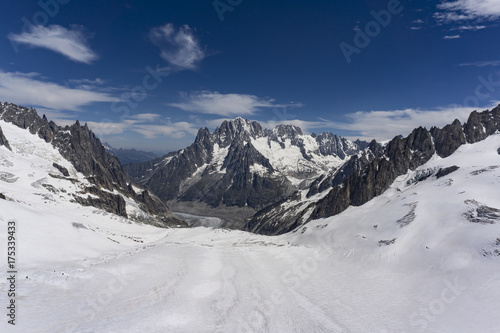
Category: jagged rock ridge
<point>399,156</point>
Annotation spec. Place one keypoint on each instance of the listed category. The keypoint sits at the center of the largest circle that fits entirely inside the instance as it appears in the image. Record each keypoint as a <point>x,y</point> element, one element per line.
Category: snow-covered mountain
<point>68,166</point>
<point>242,165</point>
<point>423,256</point>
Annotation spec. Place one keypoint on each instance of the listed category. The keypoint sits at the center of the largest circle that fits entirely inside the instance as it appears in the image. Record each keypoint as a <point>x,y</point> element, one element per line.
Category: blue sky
<point>148,74</point>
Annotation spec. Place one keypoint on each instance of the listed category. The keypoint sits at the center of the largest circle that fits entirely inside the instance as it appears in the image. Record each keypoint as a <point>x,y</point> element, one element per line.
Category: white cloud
<point>494,63</point>
<point>145,117</point>
<point>471,27</point>
<point>175,130</point>
<point>70,43</point>
<point>463,10</point>
<point>179,47</point>
<point>452,37</point>
<point>228,105</point>
<point>27,89</point>
<point>149,125</point>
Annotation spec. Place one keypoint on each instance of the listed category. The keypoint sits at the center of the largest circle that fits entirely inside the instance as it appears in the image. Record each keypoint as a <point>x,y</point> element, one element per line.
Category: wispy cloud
<point>463,10</point>
<point>71,43</point>
<point>494,63</point>
<point>179,47</point>
<point>470,27</point>
<point>452,37</point>
<point>227,105</point>
<point>149,125</point>
<point>29,89</point>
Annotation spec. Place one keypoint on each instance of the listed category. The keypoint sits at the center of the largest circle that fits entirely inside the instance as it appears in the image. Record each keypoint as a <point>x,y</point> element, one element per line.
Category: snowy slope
<point>27,173</point>
<point>419,258</point>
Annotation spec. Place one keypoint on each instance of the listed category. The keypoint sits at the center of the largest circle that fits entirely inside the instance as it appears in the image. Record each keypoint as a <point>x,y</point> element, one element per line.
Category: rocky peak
<point>448,138</point>
<point>287,131</point>
<point>330,144</point>
<point>481,125</point>
<point>203,137</point>
<point>237,129</point>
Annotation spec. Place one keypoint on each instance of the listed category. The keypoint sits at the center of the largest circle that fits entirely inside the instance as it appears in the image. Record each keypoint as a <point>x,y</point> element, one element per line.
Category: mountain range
<point>242,167</point>
<point>268,181</point>
<point>273,181</point>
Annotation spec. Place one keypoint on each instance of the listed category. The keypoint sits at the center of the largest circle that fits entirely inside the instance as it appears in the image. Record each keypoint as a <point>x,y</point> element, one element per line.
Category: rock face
<point>84,150</point>
<point>364,180</point>
<point>3,140</point>
<point>242,164</point>
<point>62,169</point>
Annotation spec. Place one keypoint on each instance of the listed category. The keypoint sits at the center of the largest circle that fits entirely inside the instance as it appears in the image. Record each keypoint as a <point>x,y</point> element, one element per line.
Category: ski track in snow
<point>82,270</point>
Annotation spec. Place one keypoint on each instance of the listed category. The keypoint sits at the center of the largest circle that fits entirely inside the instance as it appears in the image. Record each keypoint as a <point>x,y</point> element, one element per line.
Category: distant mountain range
<point>128,156</point>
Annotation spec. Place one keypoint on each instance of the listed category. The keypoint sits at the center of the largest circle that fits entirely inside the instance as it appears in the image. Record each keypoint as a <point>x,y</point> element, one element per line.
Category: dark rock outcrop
<point>112,203</point>
<point>4,141</point>
<point>446,171</point>
<point>449,138</point>
<point>62,169</point>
